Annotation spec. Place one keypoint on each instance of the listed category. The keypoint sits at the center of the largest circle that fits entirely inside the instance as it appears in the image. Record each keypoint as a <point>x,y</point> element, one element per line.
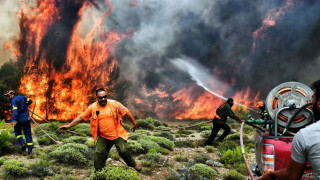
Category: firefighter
<point>220,121</point>
<point>20,119</point>
<point>106,128</point>
<point>262,107</point>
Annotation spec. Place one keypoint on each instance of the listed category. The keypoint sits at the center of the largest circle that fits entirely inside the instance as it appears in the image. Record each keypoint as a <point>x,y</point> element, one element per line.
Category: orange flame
<point>63,94</point>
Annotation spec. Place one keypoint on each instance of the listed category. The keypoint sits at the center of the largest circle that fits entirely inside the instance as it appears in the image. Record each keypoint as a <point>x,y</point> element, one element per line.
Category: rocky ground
<point>171,167</point>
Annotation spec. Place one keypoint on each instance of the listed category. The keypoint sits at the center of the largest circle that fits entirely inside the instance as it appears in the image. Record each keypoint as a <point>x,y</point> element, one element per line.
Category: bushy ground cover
<point>164,152</point>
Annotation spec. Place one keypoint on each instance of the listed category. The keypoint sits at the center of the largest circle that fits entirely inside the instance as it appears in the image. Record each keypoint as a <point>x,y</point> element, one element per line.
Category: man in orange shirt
<point>106,128</point>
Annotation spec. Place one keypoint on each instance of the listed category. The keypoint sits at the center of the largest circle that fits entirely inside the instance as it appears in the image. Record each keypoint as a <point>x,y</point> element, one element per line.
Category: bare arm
<point>74,122</point>
<point>132,120</point>
<point>293,171</point>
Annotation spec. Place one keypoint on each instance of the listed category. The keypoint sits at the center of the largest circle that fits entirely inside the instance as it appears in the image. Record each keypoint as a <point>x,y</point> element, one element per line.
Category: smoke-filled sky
<point>219,34</point>
<point>241,44</point>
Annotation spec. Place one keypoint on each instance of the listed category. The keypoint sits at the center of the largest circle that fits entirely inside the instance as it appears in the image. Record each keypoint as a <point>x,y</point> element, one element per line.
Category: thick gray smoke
<point>219,35</point>
<point>9,28</point>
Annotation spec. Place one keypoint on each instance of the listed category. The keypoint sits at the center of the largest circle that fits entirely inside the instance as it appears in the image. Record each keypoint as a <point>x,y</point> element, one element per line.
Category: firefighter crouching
<point>20,119</point>
<point>220,121</point>
<point>106,128</point>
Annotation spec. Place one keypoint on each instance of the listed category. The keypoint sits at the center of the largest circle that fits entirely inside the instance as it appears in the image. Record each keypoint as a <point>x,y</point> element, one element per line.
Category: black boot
<point>24,147</point>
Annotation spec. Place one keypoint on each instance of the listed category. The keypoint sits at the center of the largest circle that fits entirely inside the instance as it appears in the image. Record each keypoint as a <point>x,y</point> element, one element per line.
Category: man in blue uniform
<point>20,119</point>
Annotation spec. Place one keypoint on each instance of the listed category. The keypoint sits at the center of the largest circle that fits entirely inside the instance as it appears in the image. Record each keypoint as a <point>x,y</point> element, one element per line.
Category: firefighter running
<point>106,128</point>
<point>220,121</point>
<point>20,119</point>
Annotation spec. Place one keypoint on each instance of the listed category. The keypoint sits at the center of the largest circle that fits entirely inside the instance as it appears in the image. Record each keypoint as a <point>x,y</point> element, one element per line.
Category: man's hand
<point>267,175</point>
<point>63,128</point>
<point>133,127</point>
<point>13,123</point>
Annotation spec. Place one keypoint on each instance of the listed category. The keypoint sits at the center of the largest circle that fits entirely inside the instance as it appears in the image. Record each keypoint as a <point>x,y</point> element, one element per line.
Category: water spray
<point>191,66</point>
<point>199,83</point>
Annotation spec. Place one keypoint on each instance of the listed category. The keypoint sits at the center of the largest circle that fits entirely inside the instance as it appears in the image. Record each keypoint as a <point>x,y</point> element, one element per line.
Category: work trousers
<point>215,130</point>
<point>26,127</point>
<point>103,147</point>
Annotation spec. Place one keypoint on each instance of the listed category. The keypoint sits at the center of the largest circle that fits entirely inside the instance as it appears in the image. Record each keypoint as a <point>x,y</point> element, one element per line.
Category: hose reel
<point>284,101</point>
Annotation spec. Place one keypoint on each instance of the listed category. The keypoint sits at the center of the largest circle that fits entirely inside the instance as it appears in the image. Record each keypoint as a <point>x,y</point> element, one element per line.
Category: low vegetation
<point>164,153</point>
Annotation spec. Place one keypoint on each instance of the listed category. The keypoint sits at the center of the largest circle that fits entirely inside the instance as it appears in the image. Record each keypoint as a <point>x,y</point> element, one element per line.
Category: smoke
<point>219,35</point>
<point>9,29</point>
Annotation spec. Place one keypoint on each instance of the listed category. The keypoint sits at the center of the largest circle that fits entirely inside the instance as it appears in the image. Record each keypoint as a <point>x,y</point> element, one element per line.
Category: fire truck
<point>288,108</point>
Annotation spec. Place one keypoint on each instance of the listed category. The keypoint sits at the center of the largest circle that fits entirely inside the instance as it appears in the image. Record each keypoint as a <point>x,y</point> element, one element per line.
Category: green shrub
<point>148,144</point>
<point>184,131</point>
<point>153,160</point>
<point>181,158</point>
<point>163,142</point>
<point>143,124</point>
<point>2,160</point>
<point>164,151</point>
<point>239,167</point>
<point>72,154</point>
<point>233,175</point>
<point>241,112</point>
<point>42,168</point>
<point>90,144</point>
<point>48,128</point>
<point>210,149</point>
<point>164,134</point>
<point>163,128</point>
<point>200,158</point>
<point>67,171</point>
<point>154,122</point>
<point>82,128</point>
<point>126,126</point>
<point>135,147</point>
<point>225,145</point>
<point>45,140</point>
<point>115,173</point>
<point>5,136</point>
<point>233,156</point>
<point>205,134</point>
<point>152,151</point>
<point>114,155</point>
<point>248,129</point>
<point>14,168</point>
<point>75,139</point>
<point>202,171</point>
<point>236,137</point>
<point>185,143</point>
<point>203,127</point>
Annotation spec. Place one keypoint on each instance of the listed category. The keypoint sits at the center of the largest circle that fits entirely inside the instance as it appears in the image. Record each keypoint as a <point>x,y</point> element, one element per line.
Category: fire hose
<point>54,124</point>
<point>242,150</point>
<point>45,132</point>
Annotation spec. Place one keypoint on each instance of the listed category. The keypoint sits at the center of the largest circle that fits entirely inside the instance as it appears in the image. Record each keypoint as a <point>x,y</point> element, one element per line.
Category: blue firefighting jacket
<point>20,111</point>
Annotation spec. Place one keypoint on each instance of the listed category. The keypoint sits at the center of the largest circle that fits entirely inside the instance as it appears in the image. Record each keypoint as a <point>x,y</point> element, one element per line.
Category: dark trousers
<point>103,147</point>
<point>26,127</point>
<point>215,130</point>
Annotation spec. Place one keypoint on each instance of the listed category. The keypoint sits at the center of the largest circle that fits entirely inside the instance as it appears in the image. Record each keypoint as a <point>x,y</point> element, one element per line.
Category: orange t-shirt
<point>108,125</point>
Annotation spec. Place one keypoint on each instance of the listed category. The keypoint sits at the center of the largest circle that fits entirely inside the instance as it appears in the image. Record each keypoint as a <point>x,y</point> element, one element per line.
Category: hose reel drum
<point>283,102</point>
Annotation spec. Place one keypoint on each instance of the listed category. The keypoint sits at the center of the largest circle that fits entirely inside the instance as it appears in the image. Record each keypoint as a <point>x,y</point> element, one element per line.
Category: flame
<point>272,16</point>
<point>63,93</point>
<point>61,82</point>
<point>204,106</point>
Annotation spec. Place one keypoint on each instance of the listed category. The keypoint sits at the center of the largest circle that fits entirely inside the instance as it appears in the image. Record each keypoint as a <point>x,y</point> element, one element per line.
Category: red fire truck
<point>288,108</point>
